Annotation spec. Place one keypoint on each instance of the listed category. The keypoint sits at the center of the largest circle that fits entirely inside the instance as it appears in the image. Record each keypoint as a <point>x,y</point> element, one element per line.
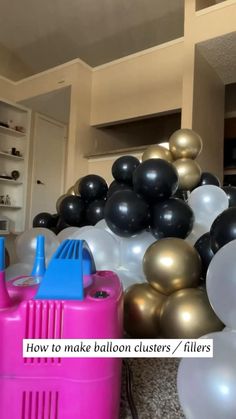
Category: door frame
<point>36,117</point>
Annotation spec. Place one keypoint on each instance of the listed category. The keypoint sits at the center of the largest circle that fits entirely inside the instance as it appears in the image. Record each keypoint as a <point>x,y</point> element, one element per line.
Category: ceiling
<point>45,33</point>
<point>220,52</point>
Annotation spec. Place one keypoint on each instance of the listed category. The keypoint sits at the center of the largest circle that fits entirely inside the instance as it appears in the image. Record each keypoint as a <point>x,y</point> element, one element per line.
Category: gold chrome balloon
<point>171,264</point>
<point>185,143</point>
<point>71,191</point>
<point>58,203</point>
<point>187,314</point>
<point>157,152</point>
<point>142,306</point>
<point>189,173</point>
<point>76,186</point>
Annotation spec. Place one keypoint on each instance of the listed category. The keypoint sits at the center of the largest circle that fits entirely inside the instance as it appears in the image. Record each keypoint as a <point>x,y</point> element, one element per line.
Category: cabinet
<point>14,153</point>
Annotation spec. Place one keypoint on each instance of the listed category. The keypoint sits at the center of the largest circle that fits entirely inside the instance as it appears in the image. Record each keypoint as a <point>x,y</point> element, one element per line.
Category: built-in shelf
<point>4,232</point>
<point>15,182</point>
<point>231,171</point>
<point>10,156</point>
<point>118,151</point>
<point>11,132</point>
<point>10,206</point>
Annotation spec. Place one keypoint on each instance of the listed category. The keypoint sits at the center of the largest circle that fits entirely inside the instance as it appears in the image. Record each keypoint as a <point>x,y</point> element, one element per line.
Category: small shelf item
<point>12,132</point>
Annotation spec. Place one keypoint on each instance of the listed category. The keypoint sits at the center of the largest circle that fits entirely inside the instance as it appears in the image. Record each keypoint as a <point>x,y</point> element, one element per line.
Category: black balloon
<point>44,220</point>
<point>61,225</point>
<point>55,219</point>
<point>95,211</point>
<point>171,218</point>
<point>116,186</point>
<point>126,213</point>
<point>223,229</point>
<point>72,210</point>
<point>203,247</point>
<point>183,195</point>
<point>155,180</point>
<point>92,187</point>
<point>208,178</point>
<point>123,168</point>
<point>231,193</point>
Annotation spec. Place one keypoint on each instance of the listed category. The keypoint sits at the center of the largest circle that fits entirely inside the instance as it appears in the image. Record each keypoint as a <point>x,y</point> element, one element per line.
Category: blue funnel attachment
<point>39,267</point>
<point>63,279</point>
<point>2,254</point>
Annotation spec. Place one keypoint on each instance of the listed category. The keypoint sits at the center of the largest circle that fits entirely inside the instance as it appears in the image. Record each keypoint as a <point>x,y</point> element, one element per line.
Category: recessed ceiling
<point>45,33</point>
<point>221,55</point>
<point>55,104</point>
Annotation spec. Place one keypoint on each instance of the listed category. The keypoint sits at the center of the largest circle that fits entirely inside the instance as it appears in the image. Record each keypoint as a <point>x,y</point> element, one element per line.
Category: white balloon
<point>127,278</point>
<point>26,244</point>
<point>197,231</point>
<point>68,232</point>
<point>103,226</point>
<point>104,247</point>
<point>207,202</point>
<point>221,284</point>
<point>207,386</point>
<point>18,269</point>
<point>132,252</point>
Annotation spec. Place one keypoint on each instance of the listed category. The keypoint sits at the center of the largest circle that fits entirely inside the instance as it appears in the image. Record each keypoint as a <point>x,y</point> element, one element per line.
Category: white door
<point>48,169</point>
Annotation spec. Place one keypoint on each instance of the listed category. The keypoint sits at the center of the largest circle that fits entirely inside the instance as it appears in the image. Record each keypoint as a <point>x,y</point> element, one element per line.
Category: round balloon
<point>223,229</point>
<point>208,178</point>
<point>127,277</point>
<point>71,191</point>
<point>116,187</point>
<point>171,218</point>
<point>25,244</point>
<point>103,226</point>
<point>126,213</point>
<point>171,264</point>
<point>58,203</point>
<point>92,187</point>
<point>72,210</point>
<point>142,305</point>
<point>104,247</point>
<point>221,284</point>
<point>207,202</point>
<point>61,225</point>
<point>132,252</point>
<point>95,211</point>
<point>76,186</point>
<point>189,173</point>
<point>43,219</point>
<point>212,393</point>
<point>187,314</point>
<point>231,194</point>
<point>203,247</point>
<point>157,152</point>
<point>18,269</point>
<point>123,168</point>
<point>155,179</point>
<point>67,233</point>
<point>197,231</point>
<point>185,143</point>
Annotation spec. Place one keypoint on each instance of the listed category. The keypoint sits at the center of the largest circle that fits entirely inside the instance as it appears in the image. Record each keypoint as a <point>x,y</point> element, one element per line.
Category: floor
<point>154,389</point>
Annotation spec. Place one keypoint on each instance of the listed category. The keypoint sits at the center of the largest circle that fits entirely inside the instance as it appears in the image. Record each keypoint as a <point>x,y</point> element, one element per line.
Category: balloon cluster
<point>158,225</point>
<point>214,379</point>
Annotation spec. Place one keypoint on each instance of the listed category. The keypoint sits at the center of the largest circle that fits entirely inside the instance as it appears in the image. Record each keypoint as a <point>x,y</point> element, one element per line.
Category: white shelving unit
<point>14,154</point>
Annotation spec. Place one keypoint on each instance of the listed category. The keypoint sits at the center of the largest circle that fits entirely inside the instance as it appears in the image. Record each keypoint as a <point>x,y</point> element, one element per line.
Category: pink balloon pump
<point>39,267</point>
<point>4,296</point>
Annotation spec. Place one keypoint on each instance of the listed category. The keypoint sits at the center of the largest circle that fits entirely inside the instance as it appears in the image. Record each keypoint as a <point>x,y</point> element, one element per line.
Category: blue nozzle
<point>2,254</point>
<point>39,267</point>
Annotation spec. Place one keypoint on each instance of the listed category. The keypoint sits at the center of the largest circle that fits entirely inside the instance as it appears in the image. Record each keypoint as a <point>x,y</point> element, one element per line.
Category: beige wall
<point>142,84</point>
<point>208,115</point>
<point>7,89</point>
